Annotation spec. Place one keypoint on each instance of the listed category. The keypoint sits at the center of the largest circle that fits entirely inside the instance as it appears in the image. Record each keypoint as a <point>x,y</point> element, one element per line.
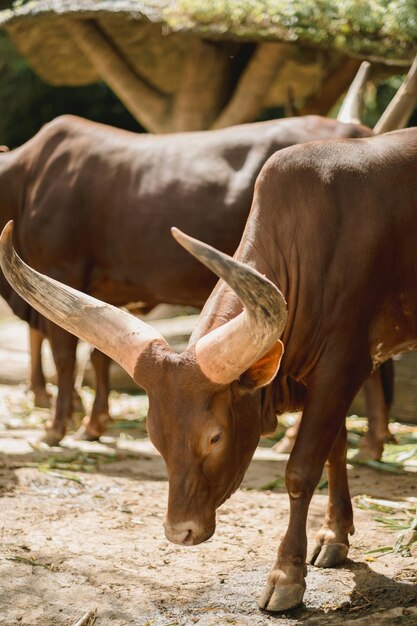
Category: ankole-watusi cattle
<point>76,184</point>
<point>93,206</point>
<point>321,291</point>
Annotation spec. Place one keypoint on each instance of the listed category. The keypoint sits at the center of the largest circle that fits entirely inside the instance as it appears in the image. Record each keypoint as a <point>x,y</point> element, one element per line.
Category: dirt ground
<point>81,529</point>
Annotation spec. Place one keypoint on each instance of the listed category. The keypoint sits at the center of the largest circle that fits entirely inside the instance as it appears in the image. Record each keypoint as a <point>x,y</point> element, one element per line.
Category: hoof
<point>329,554</point>
<point>52,438</point>
<point>370,452</point>
<point>82,434</point>
<point>281,597</point>
<point>42,399</point>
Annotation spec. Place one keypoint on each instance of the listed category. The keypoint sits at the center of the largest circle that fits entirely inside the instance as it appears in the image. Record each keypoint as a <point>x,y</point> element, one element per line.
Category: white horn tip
<point>6,234</point>
<point>184,240</point>
<point>178,234</point>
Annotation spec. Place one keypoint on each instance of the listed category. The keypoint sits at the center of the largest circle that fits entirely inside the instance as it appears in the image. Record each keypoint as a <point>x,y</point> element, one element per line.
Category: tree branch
<point>334,85</point>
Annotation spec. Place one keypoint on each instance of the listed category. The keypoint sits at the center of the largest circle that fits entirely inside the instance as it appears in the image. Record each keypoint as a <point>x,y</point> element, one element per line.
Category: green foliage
<point>26,102</point>
<point>381,27</point>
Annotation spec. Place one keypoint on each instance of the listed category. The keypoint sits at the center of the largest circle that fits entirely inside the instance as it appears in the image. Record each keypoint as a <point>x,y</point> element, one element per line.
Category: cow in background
<point>295,314</point>
<point>77,183</point>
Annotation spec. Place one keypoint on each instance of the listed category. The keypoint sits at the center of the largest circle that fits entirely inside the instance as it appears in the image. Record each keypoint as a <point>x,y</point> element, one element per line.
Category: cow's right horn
<point>117,333</point>
<point>229,350</point>
<point>351,110</point>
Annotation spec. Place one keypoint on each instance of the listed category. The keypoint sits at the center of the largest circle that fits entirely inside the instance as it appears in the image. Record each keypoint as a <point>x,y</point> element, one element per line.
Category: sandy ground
<point>81,528</point>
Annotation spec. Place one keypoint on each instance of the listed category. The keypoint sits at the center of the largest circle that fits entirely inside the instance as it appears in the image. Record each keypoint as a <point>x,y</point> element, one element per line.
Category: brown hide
<point>93,207</point>
<point>333,225</point>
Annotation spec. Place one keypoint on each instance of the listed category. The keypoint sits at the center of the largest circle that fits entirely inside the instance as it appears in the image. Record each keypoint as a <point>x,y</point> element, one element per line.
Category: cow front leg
<point>42,398</point>
<point>330,393</point>
<point>95,424</point>
<point>63,346</point>
<point>332,543</point>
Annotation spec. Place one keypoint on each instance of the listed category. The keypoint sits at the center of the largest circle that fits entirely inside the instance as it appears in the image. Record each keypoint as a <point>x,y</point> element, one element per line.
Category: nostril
<point>183,537</point>
<point>188,539</point>
<point>187,533</point>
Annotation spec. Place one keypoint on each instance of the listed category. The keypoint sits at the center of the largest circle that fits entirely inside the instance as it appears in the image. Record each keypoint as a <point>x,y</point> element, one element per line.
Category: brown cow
<point>93,206</point>
<point>333,225</point>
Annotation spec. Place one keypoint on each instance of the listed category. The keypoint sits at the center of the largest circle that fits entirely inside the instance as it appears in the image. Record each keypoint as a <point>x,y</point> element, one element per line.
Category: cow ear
<point>265,369</point>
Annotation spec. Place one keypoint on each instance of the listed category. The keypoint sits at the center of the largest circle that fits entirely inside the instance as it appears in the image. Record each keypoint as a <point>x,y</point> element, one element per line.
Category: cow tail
<point>387,378</point>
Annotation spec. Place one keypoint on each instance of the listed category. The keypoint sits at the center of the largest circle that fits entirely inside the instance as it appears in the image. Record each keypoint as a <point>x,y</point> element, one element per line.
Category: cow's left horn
<point>399,110</point>
<point>351,110</point>
<point>228,351</point>
<point>118,334</point>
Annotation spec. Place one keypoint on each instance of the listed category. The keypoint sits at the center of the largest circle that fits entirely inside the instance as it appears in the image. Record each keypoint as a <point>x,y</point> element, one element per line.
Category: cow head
<point>206,433</point>
<point>204,404</point>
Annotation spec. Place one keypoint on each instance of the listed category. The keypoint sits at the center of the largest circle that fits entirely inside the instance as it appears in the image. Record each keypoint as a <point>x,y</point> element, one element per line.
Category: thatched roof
<point>155,38</point>
<point>385,30</point>
<point>38,29</point>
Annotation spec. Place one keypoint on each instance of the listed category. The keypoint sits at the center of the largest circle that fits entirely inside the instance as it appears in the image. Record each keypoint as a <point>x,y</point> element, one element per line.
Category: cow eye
<point>216,439</point>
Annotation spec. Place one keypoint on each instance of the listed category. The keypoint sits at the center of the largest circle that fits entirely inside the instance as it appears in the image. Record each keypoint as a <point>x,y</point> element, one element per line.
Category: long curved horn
<point>399,110</point>
<point>228,351</point>
<point>118,334</point>
<point>351,110</point>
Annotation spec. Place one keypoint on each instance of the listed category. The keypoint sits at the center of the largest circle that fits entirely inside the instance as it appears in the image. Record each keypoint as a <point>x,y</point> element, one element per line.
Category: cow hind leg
<point>77,402</point>
<point>63,346</point>
<point>95,424</point>
<point>378,391</point>
<point>332,544</point>
<point>37,383</point>
<point>330,394</point>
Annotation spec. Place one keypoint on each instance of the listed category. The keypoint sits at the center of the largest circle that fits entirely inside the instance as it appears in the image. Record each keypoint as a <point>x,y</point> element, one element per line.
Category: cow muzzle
<point>187,533</point>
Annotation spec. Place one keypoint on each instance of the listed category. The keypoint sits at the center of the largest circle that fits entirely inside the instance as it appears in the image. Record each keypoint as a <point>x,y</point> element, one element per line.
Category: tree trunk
<point>204,86</point>
<point>254,84</point>
<point>146,105</point>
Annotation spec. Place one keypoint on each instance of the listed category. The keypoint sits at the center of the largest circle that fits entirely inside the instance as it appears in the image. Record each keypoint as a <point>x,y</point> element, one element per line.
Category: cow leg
<point>332,543</point>
<point>377,411</point>
<point>330,394</point>
<point>37,378</point>
<point>95,424</point>
<point>63,346</point>
<point>77,402</point>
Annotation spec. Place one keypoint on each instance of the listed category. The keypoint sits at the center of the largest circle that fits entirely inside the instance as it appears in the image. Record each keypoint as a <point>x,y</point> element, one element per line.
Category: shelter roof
<point>383,30</point>
<point>292,44</point>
